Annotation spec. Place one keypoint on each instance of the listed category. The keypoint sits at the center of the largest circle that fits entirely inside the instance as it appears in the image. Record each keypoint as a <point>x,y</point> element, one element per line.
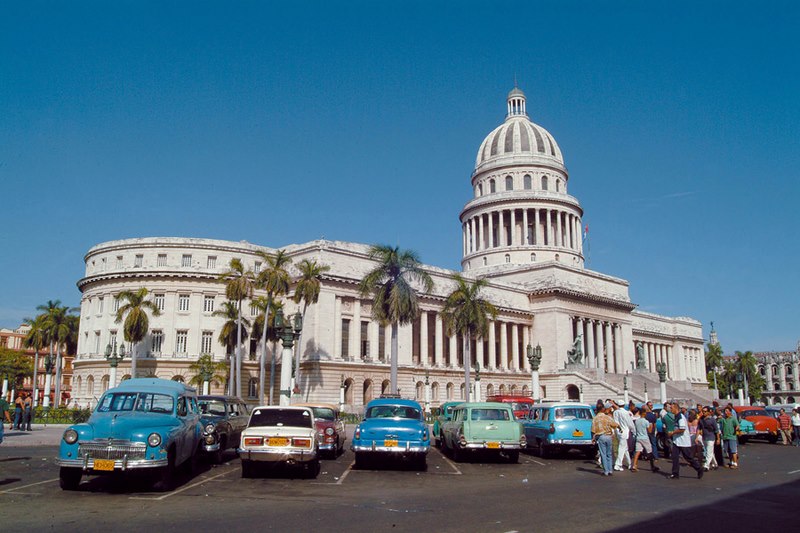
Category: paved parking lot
<point>536,494</point>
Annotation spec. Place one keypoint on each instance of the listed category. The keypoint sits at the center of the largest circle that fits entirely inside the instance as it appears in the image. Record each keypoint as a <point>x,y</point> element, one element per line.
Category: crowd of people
<point>705,437</point>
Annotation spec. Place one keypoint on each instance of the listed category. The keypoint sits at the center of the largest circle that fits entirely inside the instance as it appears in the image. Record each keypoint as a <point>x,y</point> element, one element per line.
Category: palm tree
<point>230,334</point>
<point>238,286</point>
<point>133,308</point>
<point>270,334</point>
<point>307,291</point>
<point>394,297</point>
<point>36,339</point>
<point>747,365</point>
<point>206,370</point>
<point>274,279</point>
<point>465,313</point>
<point>57,325</point>
<point>713,360</point>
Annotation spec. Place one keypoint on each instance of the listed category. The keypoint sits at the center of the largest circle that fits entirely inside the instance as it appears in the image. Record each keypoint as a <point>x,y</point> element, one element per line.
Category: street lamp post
<point>625,388</point>
<point>646,399</point>
<point>535,359</point>
<point>113,360</point>
<point>739,389</point>
<point>661,368</point>
<point>48,379</point>
<point>477,382</point>
<point>288,331</point>
<point>427,392</point>
<point>341,394</point>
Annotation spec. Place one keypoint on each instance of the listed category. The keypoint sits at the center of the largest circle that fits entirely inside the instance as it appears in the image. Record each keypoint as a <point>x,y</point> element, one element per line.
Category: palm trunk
<point>272,374</point>
<point>133,360</point>
<point>239,350</point>
<point>35,376</point>
<point>393,370</point>
<point>299,349</point>
<point>262,367</point>
<point>57,398</point>
<point>467,361</point>
<point>231,369</point>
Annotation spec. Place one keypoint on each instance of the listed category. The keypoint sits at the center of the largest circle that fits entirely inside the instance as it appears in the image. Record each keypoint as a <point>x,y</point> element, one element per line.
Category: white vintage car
<point>280,435</point>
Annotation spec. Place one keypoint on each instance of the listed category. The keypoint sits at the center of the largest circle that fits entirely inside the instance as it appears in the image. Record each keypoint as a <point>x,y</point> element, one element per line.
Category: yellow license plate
<point>493,445</point>
<point>277,441</point>
<point>391,443</point>
<point>577,433</point>
<point>106,465</point>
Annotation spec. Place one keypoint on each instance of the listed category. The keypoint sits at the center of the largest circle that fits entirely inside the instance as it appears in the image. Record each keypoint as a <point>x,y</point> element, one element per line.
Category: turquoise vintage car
<point>446,413</point>
<point>392,427</point>
<point>560,426</point>
<point>483,426</point>
<point>144,424</point>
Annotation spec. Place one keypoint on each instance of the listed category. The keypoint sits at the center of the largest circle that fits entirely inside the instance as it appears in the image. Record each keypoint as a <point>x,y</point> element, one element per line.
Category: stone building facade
<point>521,231</point>
<point>780,372</point>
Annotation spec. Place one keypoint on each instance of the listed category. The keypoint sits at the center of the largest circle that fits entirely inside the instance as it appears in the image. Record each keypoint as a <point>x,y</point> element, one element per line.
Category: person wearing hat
<point>603,427</point>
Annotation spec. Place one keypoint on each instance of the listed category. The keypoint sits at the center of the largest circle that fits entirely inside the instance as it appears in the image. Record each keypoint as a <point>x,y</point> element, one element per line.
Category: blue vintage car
<point>144,424</point>
<point>392,427</point>
<point>560,426</point>
<point>445,414</point>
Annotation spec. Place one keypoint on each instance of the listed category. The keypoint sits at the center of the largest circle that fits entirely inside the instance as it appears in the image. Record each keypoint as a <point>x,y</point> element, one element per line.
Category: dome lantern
<point>516,103</point>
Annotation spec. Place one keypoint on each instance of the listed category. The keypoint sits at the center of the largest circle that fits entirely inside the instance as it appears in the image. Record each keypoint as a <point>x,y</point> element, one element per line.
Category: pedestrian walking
<point>624,420</point>
<point>643,446</point>
<point>709,433</point>
<point>719,454</point>
<point>796,425</point>
<point>682,445</point>
<point>603,427</point>
<point>5,416</point>
<point>785,426</point>
<point>668,424</point>
<point>729,426</point>
<point>652,431</point>
<point>18,411</point>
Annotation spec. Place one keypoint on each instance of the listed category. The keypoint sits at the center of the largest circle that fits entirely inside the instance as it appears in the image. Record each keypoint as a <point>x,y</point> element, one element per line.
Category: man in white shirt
<point>682,444</point>
<point>626,428</point>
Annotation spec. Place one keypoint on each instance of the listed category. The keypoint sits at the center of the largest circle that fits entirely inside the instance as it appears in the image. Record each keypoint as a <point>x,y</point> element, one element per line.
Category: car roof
<point>562,404</point>
<point>152,385</point>
<point>394,401</point>
<point>312,404</point>
<point>283,407</point>
<point>220,397</point>
<point>484,405</point>
<point>511,397</point>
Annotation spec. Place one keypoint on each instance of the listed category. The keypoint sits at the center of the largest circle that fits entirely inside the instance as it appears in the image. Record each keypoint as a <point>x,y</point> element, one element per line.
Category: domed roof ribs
<point>509,145</point>
<point>539,141</point>
<point>525,140</point>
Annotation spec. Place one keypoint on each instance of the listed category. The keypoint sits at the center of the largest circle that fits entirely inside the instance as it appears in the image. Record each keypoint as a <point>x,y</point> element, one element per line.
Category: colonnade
<point>656,352</point>
<point>693,363</point>
<point>522,227</point>
<point>602,343</point>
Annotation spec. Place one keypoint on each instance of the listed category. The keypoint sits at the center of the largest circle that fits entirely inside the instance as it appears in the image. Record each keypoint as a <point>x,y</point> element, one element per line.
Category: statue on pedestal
<point>575,354</point>
<point>641,362</point>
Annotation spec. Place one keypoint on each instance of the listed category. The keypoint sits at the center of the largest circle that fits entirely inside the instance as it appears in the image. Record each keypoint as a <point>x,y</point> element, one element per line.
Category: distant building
<point>521,231</point>
<point>780,372</point>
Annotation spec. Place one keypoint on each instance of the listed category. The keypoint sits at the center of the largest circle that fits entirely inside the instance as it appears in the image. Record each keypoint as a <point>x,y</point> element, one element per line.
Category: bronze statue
<point>640,359</point>
<point>575,354</point>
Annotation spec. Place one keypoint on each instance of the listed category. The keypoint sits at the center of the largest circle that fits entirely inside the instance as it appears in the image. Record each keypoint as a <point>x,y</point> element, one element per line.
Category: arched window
<point>788,370</point>
<point>573,393</point>
<point>449,391</point>
<point>513,389</point>
<point>492,187</point>
<point>526,391</point>
<point>180,379</point>
<point>533,258</point>
<point>558,257</point>
<point>78,385</point>
<point>461,392</point>
<point>485,261</point>
<point>774,370</point>
<point>90,386</point>
<point>509,183</point>
<point>762,371</point>
<point>508,258</point>
<point>776,386</point>
<point>526,182</point>
<point>790,399</point>
<point>489,390</point>
<point>367,391</point>
<point>776,400</point>
<point>126,376</point>
<point>420,391</point>
<point>385,386</point>
<point>502,389</point>
<point>480,189</point>
<point>104,382</point>
<point>558,185</point>
<point>467,265</point>
<point>544,183</point>
<point>435,391</point>
<point>252,387</point>
<point>348,391</point>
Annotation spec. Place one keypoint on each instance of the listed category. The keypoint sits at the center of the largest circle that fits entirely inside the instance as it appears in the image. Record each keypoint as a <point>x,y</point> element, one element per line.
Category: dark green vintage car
<point>445,414</point>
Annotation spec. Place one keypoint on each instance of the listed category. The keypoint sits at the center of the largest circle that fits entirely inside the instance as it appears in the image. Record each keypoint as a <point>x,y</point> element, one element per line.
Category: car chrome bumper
<point>328,447</point>
<point>211,447</point>
<point>268,455</point>
<point>407,448</point>
<point>121,464</point>
<point>485,446</point>
<point>572,442</point>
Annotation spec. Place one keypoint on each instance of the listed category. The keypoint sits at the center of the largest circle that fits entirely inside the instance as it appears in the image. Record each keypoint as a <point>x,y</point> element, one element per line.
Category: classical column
<point>337,327</point>
<point>373,336</point>
<point>526,340</point>
<point>590,352</point>
<point>454,350</point>
<point>473,233</point>
<point>479,352</point>
<point>491,230</point>
<point>464,239</point>
<point>492,345</point>
<point>355,330</point>
<point>513,222</point>
<point>612,356</point>
<point>580,236</point>
<point>618,346</point>
<point>559,240</point>
<point>501,234</point>
<point>439,341</point>
<point>525,240</point>
<point>536,227</point>
<point>514,347</point>
<point>503,345</point>
<point>423,338</point>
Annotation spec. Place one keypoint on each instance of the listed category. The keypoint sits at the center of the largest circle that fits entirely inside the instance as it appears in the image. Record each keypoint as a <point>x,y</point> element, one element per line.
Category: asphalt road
<point>562,494</point>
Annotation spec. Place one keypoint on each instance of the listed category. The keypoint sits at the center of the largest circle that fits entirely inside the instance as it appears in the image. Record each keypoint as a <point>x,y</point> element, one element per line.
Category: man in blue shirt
<point>682,444</point>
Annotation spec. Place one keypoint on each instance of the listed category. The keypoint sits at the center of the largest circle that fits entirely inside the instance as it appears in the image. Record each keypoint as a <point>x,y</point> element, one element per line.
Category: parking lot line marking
<point>451,463</point>
<point>794,471</point>
<point>344,475</point>
<point>538,462</point>
<point>26,486</point>
<point>187,487</point>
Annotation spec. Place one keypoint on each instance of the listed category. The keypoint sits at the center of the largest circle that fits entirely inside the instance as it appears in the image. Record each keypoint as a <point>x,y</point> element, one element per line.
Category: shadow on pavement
<point>9,480</point>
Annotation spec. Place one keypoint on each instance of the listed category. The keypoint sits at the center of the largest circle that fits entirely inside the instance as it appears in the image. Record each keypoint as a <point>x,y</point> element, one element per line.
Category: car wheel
<point>69,478</point>
<point>218,455</point>
<point>312,469</point>
<point>166,478</point>
<point>458,453</point>
<point>590,453</point>
<point>544,451</point>
<point>743,439</point>
<point>513,456</point>
<point>247,469</point>
<point>421,462</point>
<point>772,439</point>
<point>360,460</point>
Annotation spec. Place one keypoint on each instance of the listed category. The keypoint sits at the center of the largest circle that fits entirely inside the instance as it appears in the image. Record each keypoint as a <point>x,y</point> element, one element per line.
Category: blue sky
<point>280,123</point>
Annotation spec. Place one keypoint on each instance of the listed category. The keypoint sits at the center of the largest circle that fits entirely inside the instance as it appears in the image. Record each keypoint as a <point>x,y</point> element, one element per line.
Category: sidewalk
<point>41,435</point>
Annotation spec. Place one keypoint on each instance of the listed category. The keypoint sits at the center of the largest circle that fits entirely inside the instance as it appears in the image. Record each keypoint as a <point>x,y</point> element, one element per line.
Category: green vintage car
<point>488,427</point>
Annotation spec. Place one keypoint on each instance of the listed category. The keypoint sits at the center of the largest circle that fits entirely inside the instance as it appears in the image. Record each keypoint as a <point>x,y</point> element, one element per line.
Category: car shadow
<point>7,459</point>
<point>9,480</point>
<point>141,480</point>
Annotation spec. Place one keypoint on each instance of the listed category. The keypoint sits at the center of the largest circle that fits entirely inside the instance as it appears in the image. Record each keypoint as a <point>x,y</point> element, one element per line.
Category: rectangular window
<point>208,304</point>
<point>253,309</point>
<point>186,260</point>
<point>119,261</point>
<point>85,343</point>
<point>211,262</point>
<point>158,299</point>
<point>162,260</point>
<point>183,302</point>
<point>158,340</point>
<point>345,337</point>
<point>115,304</point>
<point>257,267</point>
<point>100,305</point>
<point>382,343</point>
<point>180,341</point>
<point>205,342</point>
<point>137,262</point>
<point>96,342</point>
<point>103,264</point>
<point>364,340</point>
<point>112,339</point>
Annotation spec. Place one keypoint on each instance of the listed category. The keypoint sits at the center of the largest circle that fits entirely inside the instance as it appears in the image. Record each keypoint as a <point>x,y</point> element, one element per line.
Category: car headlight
<point>210,428</point>
<point>70,436</point>
<point>329,431</point>
<point>154,439</point>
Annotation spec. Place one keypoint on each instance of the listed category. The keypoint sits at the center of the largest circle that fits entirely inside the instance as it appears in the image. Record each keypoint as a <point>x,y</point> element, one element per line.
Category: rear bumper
<point>485,446</point>
<point>405,448</point>
<point>274,456</point>
<point>570,442</point>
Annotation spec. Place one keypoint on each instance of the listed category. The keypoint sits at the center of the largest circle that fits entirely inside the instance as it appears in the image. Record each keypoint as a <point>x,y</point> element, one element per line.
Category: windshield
<point>489,414</point>
<point>572,413</point>
<point>299,418</point>
<point>754,412</point>
<point>521,406</point>
<point>212,407</point>
<point>324,413</point>
<point>146,402</point>
<point>392,411</point>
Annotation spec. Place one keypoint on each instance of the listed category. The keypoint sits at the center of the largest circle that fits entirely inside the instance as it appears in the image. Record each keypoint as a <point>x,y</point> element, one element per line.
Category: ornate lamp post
<point>646,399</point>
<point>625,388</point>
<point>740,390</point>
<point>661,368</point>
<point>427,392</point>
<point>288,331</point>
<point>341,394</point>
<point>48,379</point>
<point>477,381</point>
<point>535,359</point>
<point>113,360</point>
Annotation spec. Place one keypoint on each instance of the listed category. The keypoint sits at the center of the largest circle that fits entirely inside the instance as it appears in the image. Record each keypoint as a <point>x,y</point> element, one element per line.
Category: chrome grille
<point>112,449</point>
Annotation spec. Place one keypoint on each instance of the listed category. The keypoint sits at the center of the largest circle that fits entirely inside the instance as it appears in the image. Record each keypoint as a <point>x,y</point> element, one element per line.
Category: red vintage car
<point>330,428</point>
<point>766,426</point>
<point>520,403</point>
